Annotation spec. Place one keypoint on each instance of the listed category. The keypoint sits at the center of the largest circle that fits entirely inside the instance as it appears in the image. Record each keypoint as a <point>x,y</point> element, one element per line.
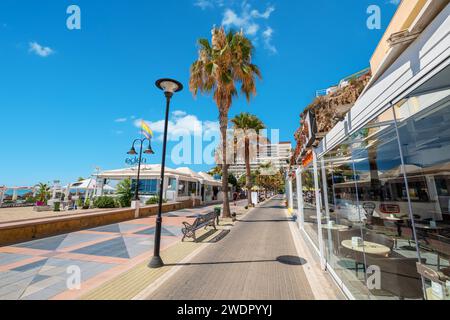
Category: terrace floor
<point>40,269</point>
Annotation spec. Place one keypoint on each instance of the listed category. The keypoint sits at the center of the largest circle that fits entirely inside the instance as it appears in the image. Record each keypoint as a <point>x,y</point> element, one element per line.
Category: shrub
<point>57,207</point>
<point>124,193</point>
<point>154,200</point>
<point>80,203</point>
<point>87,204</point>
<point>30,200</point>
<point>104,202</point>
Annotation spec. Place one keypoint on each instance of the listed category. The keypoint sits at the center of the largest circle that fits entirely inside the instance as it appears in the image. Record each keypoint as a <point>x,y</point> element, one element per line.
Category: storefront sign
<point>134,161</point>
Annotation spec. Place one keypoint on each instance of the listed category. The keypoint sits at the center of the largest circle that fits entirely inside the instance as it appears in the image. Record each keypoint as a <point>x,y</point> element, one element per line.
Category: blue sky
<point>69,99</point>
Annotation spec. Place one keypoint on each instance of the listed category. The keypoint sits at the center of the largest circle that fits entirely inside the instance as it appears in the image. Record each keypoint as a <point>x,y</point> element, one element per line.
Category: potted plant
<point>57,207</point>
<point>43,194</point>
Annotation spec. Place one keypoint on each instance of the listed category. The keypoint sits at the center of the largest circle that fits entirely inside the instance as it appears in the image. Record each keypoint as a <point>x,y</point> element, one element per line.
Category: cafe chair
<point>441,246</point>
<point>380,239</point>
<point>399,276</point>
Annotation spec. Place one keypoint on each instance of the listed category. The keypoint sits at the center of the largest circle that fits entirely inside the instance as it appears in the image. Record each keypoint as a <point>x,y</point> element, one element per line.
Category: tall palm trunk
<point>223,131</point>
<point>248,171</point>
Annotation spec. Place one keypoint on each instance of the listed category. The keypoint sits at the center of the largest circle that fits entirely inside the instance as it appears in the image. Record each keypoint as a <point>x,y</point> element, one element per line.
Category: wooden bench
<point>202,221</point>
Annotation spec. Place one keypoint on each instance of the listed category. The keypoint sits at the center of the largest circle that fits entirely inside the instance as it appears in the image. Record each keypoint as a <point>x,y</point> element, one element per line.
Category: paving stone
<point>244,265</point>
<point>50,244</point>
<point>111,248</point>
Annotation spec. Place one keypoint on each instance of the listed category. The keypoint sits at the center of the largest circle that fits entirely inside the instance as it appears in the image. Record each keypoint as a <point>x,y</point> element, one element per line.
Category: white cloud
<point>209,4</point>
<point>241,15</point>
<point>267,36</point>
<point>121,120</point>
<point>204,4</point>
<point>266,14</point>
<point>40,50</point>
<point>247,19</point>
<point>178,113</point>
<point>181,124</point>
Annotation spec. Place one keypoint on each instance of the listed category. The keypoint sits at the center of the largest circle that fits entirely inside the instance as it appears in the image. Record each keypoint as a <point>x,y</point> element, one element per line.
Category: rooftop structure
<point>277,154</point>
<point>180,184</point>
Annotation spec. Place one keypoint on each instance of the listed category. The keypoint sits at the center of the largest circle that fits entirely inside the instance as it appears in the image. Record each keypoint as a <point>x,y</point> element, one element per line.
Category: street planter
<point>42,208</point>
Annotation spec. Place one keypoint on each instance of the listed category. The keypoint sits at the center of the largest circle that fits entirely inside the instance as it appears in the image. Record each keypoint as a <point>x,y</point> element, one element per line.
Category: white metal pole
<point>300,204</point>
<point>318,211</point>
<point>291,198</point>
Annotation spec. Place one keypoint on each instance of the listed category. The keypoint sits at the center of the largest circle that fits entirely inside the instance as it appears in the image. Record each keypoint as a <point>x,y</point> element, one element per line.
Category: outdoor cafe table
<point>428,227</point>
<point>398,223</point>
<point>314,217</point>
<point>337,227</point>
<point>367,247</point>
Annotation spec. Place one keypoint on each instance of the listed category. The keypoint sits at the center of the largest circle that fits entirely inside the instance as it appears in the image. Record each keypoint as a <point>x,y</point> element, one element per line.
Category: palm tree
<point>43,192</point>
<point>217,170</point>
<point>248,126</point>
<point>124,193</point>
<point>221,66</point>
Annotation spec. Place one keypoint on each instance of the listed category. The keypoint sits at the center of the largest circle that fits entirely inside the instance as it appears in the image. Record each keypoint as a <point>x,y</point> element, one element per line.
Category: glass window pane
<point>424,129</point>
<point>389,245</point>
<point>342,224</point>
<point>309,204</point>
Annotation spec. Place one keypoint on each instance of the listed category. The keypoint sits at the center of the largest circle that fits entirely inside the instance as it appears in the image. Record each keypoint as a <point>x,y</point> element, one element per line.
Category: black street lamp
<point>169,87</point>
<point>133,153</point>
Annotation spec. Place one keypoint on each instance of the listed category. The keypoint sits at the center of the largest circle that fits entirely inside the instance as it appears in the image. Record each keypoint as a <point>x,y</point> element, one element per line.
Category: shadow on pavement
<point>276,220</point>
<point>292,260</point>
<point>287,260</point>
<point>220,236</point>
<point>272,207</point>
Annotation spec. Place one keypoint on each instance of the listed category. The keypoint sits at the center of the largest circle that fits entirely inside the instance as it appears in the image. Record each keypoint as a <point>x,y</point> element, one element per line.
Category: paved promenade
<point>257,260</point>
<point>39,269</point>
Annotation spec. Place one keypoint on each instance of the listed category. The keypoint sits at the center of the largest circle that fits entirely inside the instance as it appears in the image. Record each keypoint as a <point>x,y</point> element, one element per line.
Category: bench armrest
<point>187,225</point>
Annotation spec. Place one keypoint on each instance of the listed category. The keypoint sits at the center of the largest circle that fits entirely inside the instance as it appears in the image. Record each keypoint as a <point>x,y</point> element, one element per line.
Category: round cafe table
<point>314,217</point>
<point>367,247</point>
<point>398,223</point>
<point>337,227</point>
<point>428,227</point>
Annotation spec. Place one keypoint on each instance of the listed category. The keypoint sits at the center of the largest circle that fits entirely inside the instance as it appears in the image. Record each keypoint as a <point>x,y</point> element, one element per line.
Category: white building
<point>380,178</point>
<point>180,184</point>
<point>278,155</point>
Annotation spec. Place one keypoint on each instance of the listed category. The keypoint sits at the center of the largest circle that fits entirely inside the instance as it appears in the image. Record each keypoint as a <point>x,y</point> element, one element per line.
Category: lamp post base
<point>156,262</point>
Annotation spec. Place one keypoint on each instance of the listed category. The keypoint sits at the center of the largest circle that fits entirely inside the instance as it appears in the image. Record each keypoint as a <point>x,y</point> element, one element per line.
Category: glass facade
<point>384,197</point>
<point>146,187</point>
<point>309,204</point>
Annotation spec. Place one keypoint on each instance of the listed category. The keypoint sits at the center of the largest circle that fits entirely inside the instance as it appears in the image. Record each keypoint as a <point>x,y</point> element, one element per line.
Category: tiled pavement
<point>40,269</point>
<point>260,259</point>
